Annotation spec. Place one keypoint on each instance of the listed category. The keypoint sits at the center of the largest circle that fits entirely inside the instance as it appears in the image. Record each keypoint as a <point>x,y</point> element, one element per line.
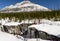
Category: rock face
<point>24,6</point>
<point>33,33</point>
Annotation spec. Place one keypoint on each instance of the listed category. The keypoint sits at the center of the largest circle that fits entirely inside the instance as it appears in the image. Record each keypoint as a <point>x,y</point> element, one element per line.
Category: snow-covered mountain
<point>24,6</point>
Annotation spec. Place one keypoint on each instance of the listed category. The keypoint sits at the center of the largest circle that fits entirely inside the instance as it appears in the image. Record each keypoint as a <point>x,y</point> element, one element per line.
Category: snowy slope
<point>50,29</point>
<point>24,6</point>
<point>7,37</point>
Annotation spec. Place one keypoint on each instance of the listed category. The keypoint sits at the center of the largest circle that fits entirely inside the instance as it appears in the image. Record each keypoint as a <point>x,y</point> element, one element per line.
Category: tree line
<point>32,15</point>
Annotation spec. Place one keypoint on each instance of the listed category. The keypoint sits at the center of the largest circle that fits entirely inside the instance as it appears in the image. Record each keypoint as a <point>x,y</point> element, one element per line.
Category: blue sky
<point>51,4</point>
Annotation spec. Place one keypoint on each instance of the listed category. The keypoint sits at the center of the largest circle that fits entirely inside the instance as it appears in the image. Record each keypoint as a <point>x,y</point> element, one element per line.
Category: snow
<point>7,22</point>
<point>19,37</point>
<point>30,21</point>
<point>26,5</point>
<point>0,21</point>
<point>12,24</point>
<point>56,23</point>
<point>26,22</point>
<point>23,2</point>
<point>46,21</point>
<point>7,37</point>
<point>3,21</point>
<point>33,39</point>
<point>50,29</point>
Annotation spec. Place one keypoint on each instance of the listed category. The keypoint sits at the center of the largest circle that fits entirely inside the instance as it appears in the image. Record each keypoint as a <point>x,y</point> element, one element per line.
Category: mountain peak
<point>23,2</point>
<point>24,6</point>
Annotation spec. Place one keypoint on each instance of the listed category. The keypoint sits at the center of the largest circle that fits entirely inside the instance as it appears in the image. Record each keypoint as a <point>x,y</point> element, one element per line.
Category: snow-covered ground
<point>12,24</point>
<point>36,39</point>
<point>50,27</point>
<point>7,37</point>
